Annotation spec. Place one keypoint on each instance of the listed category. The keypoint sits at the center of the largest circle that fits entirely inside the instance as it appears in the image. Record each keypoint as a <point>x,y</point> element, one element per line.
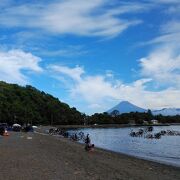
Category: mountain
<point>167,112</point>
<point>26,104</point>
<point>126,107</point>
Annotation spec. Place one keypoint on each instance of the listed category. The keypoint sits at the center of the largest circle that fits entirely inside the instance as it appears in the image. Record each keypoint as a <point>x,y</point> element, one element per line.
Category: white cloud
<point>100,93</point>
<point>74,73</point>
<point>94,89</point>
<point>13,62</point>
<point>171,27</point>
<point>169,35</point>
<point>171,38</point>
<point>163,66</point>
<point>163,62</point>
<point>88,18</point>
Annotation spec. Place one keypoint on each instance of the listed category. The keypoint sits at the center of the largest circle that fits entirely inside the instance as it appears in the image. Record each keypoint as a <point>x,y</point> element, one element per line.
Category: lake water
<point>165,150</point>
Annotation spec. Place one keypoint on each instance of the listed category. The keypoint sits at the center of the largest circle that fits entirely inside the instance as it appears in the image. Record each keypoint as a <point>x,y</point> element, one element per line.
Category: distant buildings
<point>154,121</point>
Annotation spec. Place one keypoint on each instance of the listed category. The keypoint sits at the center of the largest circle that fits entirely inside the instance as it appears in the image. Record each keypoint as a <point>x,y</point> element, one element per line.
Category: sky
<point>93,54</point>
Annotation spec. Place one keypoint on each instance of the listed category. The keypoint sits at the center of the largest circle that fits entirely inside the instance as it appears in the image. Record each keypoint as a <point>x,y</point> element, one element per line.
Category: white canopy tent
<point>16,125</point>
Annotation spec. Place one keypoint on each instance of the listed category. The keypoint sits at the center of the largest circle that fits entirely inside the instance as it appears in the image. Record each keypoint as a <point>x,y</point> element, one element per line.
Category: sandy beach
<point>31,156</point>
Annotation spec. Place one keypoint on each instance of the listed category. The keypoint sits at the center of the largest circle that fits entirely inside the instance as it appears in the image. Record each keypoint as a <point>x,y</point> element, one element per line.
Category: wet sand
<point>47,157</point>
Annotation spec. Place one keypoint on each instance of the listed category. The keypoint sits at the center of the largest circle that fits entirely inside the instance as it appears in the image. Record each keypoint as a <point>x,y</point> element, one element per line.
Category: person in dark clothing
<point>88,146</point>
<point>87,140</point>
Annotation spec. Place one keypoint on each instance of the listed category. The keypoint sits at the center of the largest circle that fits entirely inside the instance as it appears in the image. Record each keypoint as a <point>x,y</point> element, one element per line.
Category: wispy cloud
<point>74,73</point>
<point>169,34</point>
<point>165,1</point>
<point>67,51</point>
<point>87,18</point>
<point>171,27</point>
<point>13,62</point>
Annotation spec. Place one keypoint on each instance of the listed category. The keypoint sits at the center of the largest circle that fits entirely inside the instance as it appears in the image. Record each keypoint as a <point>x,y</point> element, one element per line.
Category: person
<point>88,146</point>
<point>87,140</point>
<point>75,137</point>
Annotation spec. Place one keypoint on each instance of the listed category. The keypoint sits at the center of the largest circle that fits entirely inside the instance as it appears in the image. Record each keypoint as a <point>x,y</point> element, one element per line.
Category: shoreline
<point>111,125</point>
<point>138,157</point>
<point>122,153</point>
<point>111,151</point>
<point>128,155</point>
<point>53,158</point>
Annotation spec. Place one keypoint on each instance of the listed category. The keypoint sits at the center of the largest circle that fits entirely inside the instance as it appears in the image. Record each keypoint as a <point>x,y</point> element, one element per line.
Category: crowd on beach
<point>79,136</point>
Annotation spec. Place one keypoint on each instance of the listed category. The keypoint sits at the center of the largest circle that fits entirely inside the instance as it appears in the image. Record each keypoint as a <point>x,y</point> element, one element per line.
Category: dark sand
<point>52,158</point>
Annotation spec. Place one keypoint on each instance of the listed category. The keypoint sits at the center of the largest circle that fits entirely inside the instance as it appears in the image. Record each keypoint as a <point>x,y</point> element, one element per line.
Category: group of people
<point>77,136</point>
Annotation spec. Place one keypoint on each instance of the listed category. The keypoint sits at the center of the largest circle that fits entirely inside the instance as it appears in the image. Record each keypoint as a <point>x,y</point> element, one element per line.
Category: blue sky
<point>93,54</point>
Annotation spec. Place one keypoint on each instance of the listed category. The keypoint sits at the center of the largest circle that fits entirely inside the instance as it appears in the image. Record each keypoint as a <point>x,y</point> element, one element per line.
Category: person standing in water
<point>87,140</point>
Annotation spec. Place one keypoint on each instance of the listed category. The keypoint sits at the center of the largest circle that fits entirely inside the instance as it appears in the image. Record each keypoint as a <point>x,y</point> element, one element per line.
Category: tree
<point>150,115</point>
<point>115,113</point>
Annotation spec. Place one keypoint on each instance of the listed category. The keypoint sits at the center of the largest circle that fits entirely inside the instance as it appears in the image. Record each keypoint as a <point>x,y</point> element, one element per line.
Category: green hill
<point>28,105</point>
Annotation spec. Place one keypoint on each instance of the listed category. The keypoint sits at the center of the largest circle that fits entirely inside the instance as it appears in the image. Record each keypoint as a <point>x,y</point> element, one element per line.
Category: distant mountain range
<point>167,111</point>
<point>127,107</point>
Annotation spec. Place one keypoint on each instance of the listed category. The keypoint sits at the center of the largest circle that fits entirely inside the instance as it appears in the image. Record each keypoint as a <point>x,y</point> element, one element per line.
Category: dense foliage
<point>28,105</point>
<point>115,118</point>
<point>168,119</point>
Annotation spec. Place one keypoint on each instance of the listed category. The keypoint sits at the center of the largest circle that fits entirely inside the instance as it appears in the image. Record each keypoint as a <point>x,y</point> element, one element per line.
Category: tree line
<point>130,118</point>
<point>28,105</point>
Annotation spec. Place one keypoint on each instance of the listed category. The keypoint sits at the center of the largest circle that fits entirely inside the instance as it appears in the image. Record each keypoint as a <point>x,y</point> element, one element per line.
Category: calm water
<point>165,150</point>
